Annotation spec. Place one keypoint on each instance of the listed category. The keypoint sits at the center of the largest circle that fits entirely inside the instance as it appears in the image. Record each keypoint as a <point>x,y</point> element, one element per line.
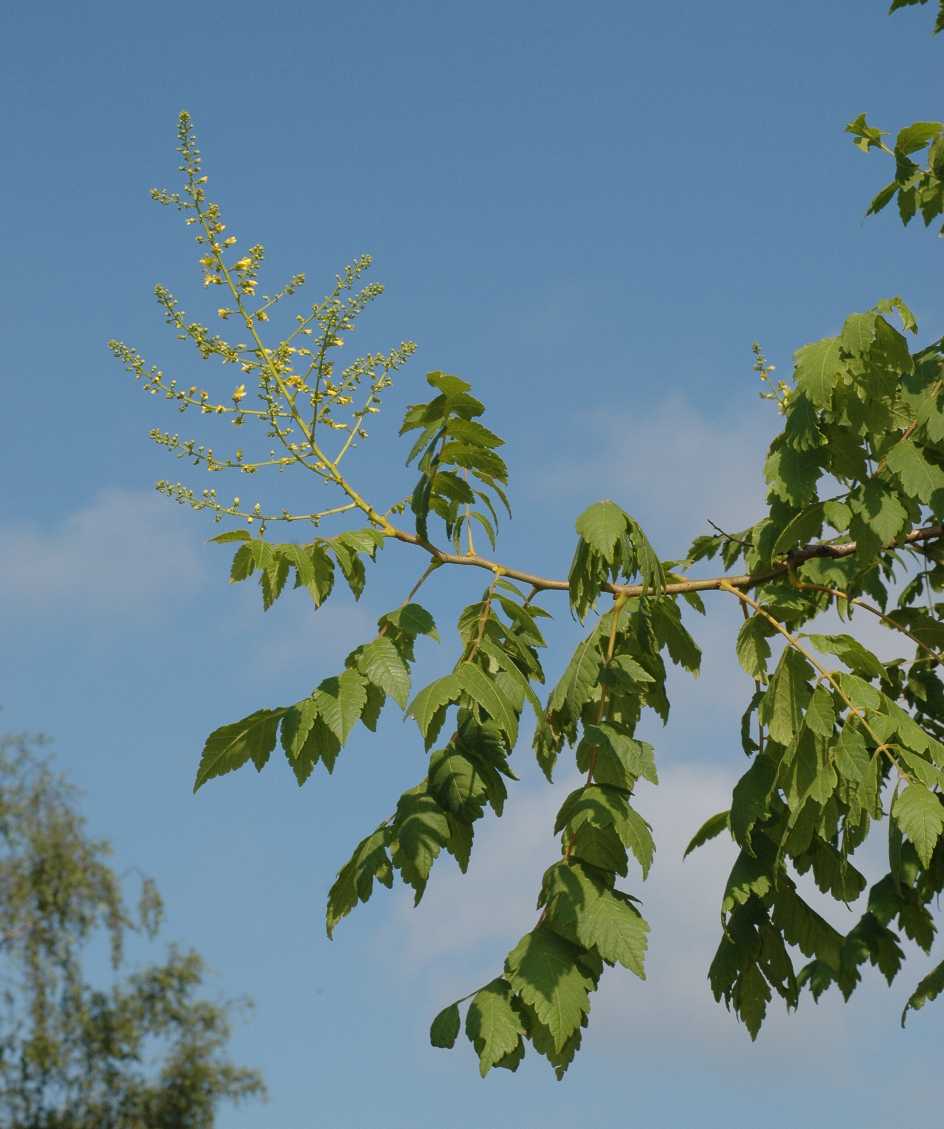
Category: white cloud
<point>672,467</point>
<point>124,552</point>
<point>458,935</point>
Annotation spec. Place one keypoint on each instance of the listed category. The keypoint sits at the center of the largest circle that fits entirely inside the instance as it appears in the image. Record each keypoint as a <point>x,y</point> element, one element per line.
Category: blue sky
<point>590,214</point>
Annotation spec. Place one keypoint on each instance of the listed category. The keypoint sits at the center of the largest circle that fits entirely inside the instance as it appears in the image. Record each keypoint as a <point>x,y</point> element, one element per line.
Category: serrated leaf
<point>817,369</point>
<point>928,989</point>
<point>920,815</point>
<point>296,725</point>
<point>380,661</point>
<point>230,746</point>
<point>545,971</point>
<point>851,652</point>
<point>800,529</point>
<point>355,880</point>
<point>444,1030</point>
<point>803,926</point>
<point>710,829</point>
<point>919,478</point>
<point>751,997</point>
<point>492,1025</point>
<point>340,702</point>
<point>916,136</point>
<point>821,713</point>
<point>243,565</point>
<point>751,796</point>
<point>753,647</point>
<point>430,700</point>
<point>617,930</point>
<point>786,697</point>
<point>476,683</point>
<point>413,619</point>
<point>456,783</point>
<point>601,526</point>
<point>419,833</point>
<point>231,535</point>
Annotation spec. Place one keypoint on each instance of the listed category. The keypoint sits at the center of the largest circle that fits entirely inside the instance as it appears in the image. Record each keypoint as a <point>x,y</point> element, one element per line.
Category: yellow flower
<point>223,312</point>
<point>211,280</point>
<point>262,315</point>
<point>229,240</point>
<point>242,264</point>
<point>239,393</point>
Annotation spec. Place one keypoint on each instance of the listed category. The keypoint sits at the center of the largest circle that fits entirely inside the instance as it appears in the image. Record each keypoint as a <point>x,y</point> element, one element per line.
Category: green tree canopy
<point>837,740</point>
<point>146,1051</point>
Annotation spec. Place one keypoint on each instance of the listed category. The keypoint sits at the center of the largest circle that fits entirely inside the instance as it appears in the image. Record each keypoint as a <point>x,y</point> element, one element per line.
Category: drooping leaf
<point>474,682</point>
<point>928,989</point>
<point>546,971</point>
<point>430,700</point>
<point>617,930</point>
<point>380,661</point>
<point>920,815</point>
<point>340,702</point>
<point>601,526</point>
<point>710,829</point>
<point>493,1026</point>
<point>444,1029</point>
<point>230,746</point>
<point>817,369</point>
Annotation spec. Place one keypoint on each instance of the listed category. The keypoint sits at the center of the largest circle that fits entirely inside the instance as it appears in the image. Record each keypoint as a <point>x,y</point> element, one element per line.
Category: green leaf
<point>419,833</point>
<point>493,1026</point>
<point>859,692</point>
<point>753,648</point>
<point>230,746</point>
<point>412,619</point>
<point>636,834</point>
<point>710,829</point>
<point>920,815</point>
<point>928,989</point>
<point>878,506</point>
<point>355,880</point>
<point>296,724</point>
<point>853,654</point>
<point>800,530</point>
<point>821,713</point>
<point>341,701</point>
<point>751,797</point>
<point>618,931</point>
<point>380,661</point>
<point>243,565</point>
<point>918,477</point>
<point>802,926</point>
<point>430,700</point>
<point>444,1029</point>
<point>787,696</point>
<point>817,370</point>
<point>915,137</point>
<point>650,568</point>
<point>484,692</point>
<point>231,535</point>
<point>545,970</point>
<point>666,620</point>
<point>456,783</point>
<point>751,998</point>
<point>601,526</point>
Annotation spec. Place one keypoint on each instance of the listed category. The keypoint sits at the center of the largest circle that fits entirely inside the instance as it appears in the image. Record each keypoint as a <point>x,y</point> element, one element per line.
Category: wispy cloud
<point>466,923</point>
<point>123,553</point>
<point>671,466</point>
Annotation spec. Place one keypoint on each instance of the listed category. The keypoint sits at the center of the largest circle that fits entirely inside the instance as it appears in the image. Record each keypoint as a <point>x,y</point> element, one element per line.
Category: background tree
<point>855,501</point>
<point>146,1052</point>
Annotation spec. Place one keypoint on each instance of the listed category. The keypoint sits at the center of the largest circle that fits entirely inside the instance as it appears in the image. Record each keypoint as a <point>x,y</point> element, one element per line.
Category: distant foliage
<point>836,739</point>
<point>146,1052</point>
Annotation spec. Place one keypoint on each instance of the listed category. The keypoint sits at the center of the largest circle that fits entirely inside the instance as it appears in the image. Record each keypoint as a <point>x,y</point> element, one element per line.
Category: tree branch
<point>747,580</point>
